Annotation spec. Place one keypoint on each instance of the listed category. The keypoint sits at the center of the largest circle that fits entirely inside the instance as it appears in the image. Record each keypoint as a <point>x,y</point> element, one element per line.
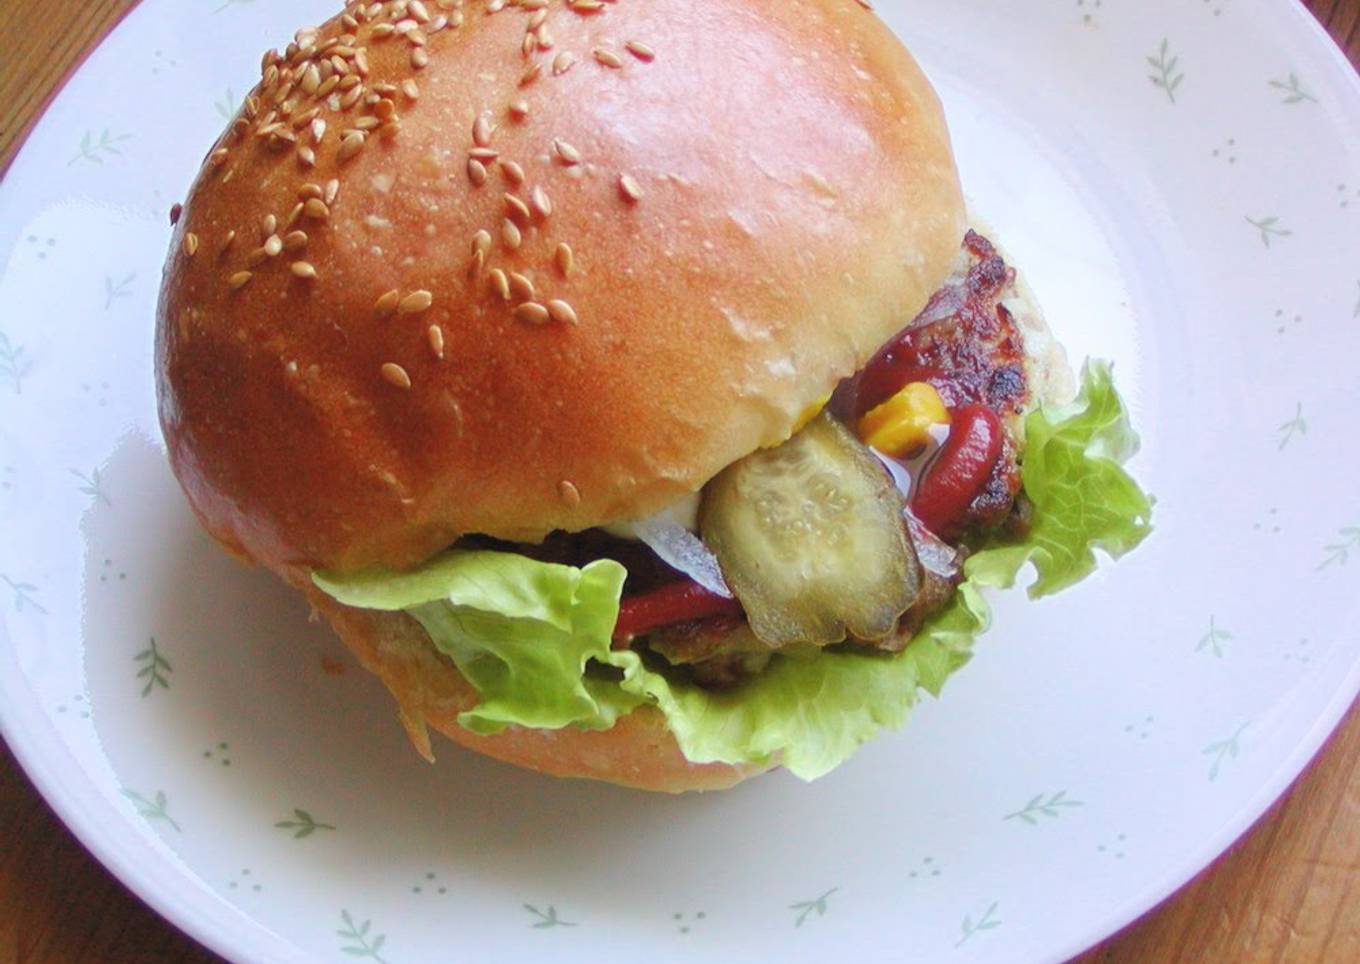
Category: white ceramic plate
<point>1181,183</point>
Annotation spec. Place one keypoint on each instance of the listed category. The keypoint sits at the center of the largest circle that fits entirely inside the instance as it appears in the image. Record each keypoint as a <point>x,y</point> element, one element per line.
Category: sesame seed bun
<point>428,284</point>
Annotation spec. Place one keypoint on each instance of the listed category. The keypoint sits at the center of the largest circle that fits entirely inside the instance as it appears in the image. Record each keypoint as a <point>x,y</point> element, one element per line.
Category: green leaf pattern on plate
<point>154,668</point>
<point>153,808</point>
<point>547,917</point>
<point>986,922</point>
<point>359,941</point>
<point>303,824</point>
<point>1038,807</point>
<point>1214,639</point>
<point>1164,70</point>
<point>804,908</point>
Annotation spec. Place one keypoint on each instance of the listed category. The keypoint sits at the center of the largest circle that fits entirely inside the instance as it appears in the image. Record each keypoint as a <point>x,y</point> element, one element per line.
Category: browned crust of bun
<point>798,201</point>
<point>638,751</point>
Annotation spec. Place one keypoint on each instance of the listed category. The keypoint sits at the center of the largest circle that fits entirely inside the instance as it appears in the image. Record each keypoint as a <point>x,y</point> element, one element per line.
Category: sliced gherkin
<point>810,537</point>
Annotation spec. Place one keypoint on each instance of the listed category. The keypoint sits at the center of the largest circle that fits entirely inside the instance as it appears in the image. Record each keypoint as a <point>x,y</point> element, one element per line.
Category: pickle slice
<point>811,538</point>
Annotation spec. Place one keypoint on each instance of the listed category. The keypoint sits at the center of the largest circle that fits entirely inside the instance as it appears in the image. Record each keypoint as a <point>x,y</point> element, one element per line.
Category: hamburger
<point>625,382</point>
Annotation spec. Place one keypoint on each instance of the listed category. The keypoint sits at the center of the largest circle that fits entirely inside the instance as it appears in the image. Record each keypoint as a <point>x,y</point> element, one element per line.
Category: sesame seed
<point>419,58</point>
<point>318,130</point>
<point>521,287</point>
<point>306,156</point>
<point>568,492</point>
<point>218,157</point>
<point>311,79</point>
<point>532,312</point>
<point>273,246</point>
<point>295,241</point>
<point>477,263</point>
<point>302,269</point>
<point>535,5</point>
<point>416,38</point>
<point>565,152</point>
<point>239,280</point>
<point>500,284</point>
<point>294,214</point>
<point>527,45</point>
<point>516,207</point>
<point>629,188</point>
<point>268,225</point>
<point>387,303</point>
<point>607,57</point>
<point>361,61</point>
<point>437,24</point>
<point>563,62</point>
<point>530,75</point>
<point>513,172</point>
<point>482,129</point>
<point>257,257</point>
<point>545,39</point>
<point>348,82</point>
<point>384,108</point>
<point>176,210</point>
<point>190,244</point>
<point>434,337</point>
<point>415,302</point>
<point>365,124</point>
<point>495,6</point>
<point>476,171</point>
<point>510,234</point>
<point>411,89</point>
<point>328,85</point>
<point>394,374</point>
<point>561,312</point>
<point>332,190</point>
<point>227,242</point>
<point>564,259</point>
<point>519,109</point>
<point>351,97</point>
<point>540,201</point>
<point>484,154</point>
<point>316,208</point>
<point>417,9</point>
<point>481,241</point>
<point>536,21</point>
<point>640,50</point>
<point>382,31</point>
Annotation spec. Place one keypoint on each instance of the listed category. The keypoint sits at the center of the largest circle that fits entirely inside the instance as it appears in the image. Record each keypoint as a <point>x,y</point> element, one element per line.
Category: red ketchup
<point>956,476</point>
<point>675,602</point>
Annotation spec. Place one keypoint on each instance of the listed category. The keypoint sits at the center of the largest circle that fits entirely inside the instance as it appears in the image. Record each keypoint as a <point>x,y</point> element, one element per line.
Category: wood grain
<point>1289,891</point>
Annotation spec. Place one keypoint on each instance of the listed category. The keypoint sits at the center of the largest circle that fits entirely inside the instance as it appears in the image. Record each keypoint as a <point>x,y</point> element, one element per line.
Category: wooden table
<point>1288,891</point>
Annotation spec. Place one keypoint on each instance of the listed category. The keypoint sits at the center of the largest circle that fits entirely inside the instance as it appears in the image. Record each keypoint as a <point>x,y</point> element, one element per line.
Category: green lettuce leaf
<point>522,632</point>
<point>532,637</point>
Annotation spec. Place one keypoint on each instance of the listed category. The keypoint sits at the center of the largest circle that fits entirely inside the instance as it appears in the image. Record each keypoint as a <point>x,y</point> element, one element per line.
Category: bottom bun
<point>638,751</point>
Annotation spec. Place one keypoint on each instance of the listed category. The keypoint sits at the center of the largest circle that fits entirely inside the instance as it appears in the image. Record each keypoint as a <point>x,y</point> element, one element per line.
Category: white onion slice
<point>936,555</point>
<point>683,550</point>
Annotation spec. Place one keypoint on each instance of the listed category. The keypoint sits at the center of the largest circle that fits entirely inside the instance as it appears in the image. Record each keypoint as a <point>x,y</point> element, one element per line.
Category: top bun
<point>429,284</point>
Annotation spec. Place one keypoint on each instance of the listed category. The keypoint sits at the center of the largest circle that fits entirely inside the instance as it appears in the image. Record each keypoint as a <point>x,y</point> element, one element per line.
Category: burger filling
<point>806,595</point>
<point>852,532</point>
